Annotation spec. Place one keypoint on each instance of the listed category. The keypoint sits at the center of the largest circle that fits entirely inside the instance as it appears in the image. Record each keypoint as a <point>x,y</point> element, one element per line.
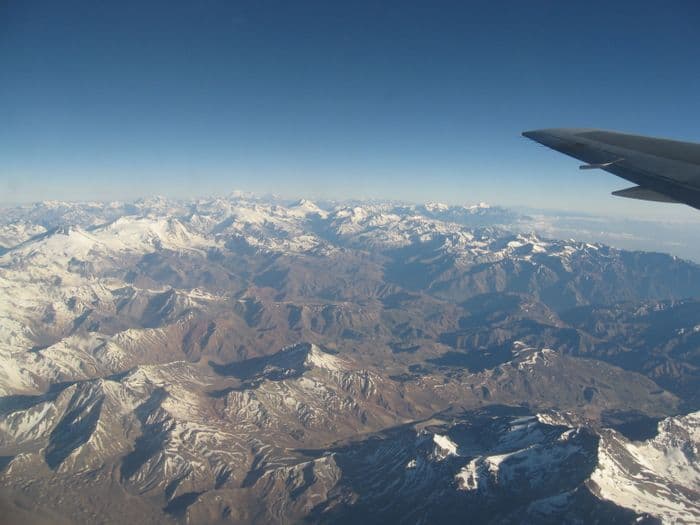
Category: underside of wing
<point>663,170</point>
<point>644,194</point>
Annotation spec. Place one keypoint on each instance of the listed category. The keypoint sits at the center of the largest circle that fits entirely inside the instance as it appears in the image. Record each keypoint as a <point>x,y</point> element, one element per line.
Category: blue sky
<point>405,100</point>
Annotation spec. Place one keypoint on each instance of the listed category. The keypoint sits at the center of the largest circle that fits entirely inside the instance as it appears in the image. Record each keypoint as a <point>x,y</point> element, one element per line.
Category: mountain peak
<point>304,207</point>
<point>318,358</point>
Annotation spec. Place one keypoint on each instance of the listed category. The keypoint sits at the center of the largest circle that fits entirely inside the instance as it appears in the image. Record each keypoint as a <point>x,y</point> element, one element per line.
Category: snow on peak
<point>660,476</point>
<point>304,207</point>
<point>145,233</point>
<point>320,359</point>
<point>437,206</point>
<point>445,446</point>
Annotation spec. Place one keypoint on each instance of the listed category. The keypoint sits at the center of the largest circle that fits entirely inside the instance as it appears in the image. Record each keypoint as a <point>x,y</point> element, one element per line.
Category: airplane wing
<point>662,170</point>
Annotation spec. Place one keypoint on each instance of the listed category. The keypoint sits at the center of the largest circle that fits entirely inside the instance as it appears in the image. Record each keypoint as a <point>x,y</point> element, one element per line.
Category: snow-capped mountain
<point>659,476</point>
<point>247,360</point>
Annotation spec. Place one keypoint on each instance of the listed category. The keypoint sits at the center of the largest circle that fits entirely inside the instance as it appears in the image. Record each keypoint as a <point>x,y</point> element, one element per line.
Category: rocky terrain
<point>253,360</point>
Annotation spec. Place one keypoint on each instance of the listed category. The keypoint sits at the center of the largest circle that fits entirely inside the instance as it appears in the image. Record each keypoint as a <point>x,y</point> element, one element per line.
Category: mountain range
<point>252,360</point>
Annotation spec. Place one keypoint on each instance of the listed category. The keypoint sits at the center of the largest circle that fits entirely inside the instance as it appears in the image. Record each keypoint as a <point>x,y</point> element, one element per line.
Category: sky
<point>402,100</point>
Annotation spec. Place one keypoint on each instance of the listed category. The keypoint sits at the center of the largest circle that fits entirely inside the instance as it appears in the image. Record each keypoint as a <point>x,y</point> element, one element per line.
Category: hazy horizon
<point>652,233</point>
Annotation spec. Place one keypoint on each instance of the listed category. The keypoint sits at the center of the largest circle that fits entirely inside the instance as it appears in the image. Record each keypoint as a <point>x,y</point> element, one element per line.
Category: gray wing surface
<point>662,170</point>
